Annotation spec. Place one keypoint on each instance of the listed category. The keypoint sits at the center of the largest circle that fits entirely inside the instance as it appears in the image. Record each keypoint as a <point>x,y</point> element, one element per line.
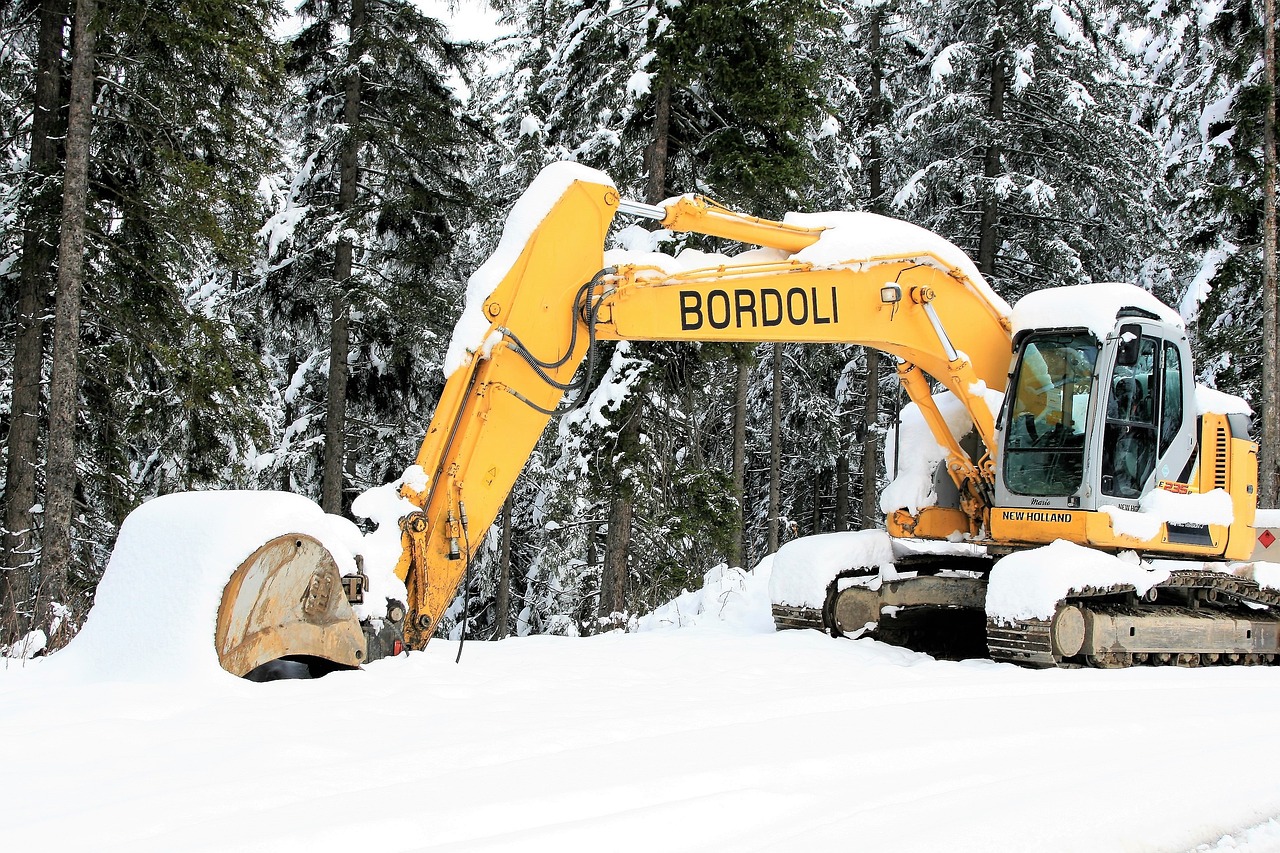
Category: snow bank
<point>918,454</point>
<point>382,548</point>
<point>1212,401</point>
<point>855,237</point>
<point>803,567</point>
<point>1090,306</point>
<point>729,598</point>
<point>156,609</point>
<point>529,211</point>
<point>1028,584</point>
<point>1267,518</point>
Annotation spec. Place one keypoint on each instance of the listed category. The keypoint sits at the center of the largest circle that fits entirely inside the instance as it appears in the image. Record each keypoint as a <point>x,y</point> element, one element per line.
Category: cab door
<point>1148,422</point>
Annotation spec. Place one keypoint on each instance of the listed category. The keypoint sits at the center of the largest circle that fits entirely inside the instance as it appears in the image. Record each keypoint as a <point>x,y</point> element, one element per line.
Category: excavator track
<point>1195,618</point>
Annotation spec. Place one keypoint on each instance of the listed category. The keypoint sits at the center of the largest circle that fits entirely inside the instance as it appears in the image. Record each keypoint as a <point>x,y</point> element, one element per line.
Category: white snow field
<point>716,736</point>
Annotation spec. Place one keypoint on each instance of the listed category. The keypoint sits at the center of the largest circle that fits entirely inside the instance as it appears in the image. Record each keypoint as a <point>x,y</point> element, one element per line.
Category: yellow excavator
<point>1100,413</point>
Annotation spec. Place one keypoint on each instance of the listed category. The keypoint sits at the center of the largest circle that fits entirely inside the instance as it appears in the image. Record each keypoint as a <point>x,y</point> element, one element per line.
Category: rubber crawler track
<point>1028,642</point>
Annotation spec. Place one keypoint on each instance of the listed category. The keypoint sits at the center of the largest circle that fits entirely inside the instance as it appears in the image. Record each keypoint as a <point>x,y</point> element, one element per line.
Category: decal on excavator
<point>744,310</point>
<point>1036,515</point>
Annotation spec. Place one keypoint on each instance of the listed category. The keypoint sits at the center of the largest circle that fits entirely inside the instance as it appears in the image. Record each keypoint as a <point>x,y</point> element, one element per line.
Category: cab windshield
<point>1044,438</point>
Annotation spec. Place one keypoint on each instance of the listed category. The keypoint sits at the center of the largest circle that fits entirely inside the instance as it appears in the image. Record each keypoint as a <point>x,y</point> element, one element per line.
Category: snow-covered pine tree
<point>1025,151</point>
<point>173,163</point>
<point>705,96</point>
<point>1207,106</point>
<point>376,190</point>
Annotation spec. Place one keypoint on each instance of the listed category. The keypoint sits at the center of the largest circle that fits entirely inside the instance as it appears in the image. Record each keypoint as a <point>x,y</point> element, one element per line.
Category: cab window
<point>1171,415</point>
<point>1133,403</point>
<point>1044,446</point>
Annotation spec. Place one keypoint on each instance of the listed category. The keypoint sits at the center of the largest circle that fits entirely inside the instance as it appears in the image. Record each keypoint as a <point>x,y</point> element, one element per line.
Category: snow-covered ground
<point>718,735</point>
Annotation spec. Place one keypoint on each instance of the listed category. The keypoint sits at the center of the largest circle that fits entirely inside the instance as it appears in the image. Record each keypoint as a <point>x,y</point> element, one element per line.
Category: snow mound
<point>1267,518</point>
<point>918,454</point>
<point>156,609</point>
<point>1160,506</point>
<point>804,567</point>
<point>853,237</point>
<point>1028,584</point>
<point>1212,401</point>
<point>729,598</point>
<point>1089,306</point>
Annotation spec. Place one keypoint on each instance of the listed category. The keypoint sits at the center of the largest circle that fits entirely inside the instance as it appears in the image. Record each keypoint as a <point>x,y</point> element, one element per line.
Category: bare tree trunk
<point>335,421</point>
<point>657,188</point>
<point>613,574</point>
<point>870,446</point>
<point>842,490</point>
<point>738,541</point>
<point>22,455</point>
<point>876,111</point>
<point>1268,461</point>
<point>60,470</point>
<point>869,499</point>
<point>775,451</point>
<point>988,235</point>
<point>503,603</point>
<point>815,524</point>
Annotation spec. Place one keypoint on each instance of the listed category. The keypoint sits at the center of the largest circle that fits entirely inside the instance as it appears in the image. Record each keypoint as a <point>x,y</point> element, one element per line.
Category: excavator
<point>1078,405</point>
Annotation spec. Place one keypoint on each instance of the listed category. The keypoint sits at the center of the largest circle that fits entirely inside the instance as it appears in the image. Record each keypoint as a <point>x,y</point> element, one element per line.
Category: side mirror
<point>1130,339</point>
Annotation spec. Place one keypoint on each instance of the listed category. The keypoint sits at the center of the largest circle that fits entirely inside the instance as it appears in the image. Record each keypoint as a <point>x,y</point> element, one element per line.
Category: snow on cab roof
<point>1089,306</point>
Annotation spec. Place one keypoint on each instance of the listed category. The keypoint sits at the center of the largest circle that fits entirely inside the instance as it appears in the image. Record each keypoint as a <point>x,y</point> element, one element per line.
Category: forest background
<point>235,234</point>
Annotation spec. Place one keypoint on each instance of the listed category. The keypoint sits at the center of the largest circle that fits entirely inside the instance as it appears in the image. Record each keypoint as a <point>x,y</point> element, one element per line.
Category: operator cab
<point>1089,422</point>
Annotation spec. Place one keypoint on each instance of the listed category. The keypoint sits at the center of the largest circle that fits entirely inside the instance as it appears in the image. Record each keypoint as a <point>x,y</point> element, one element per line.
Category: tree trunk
<point>335,422</point>
<point>613,574</point>
<point>775,451</point>
<point>875,117</point>
<point>28,355</point>
<point>870,511</point>
<point>60,465</point>
<point>815,523</point>
<point>988,234</point>
<point>657,188</point>
<point>842,490</point>
<point>738,540</point>
<point>503,604</point>
<point>1268,461</point>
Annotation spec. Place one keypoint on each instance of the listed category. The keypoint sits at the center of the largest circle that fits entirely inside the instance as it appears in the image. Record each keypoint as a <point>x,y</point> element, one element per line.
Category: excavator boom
<point>555,300</point>
<point>1100,399</point>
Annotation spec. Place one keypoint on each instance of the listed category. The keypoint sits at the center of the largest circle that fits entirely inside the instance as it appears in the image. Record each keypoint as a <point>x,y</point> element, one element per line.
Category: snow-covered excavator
<point>1101,438</point>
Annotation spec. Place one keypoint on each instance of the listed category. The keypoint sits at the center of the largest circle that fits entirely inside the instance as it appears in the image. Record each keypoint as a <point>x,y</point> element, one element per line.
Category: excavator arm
<point>554,299</point>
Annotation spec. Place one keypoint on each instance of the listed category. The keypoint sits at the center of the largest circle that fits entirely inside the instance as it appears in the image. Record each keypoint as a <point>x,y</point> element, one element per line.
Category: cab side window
<point>1171,416</point>
<point>1129,445</point>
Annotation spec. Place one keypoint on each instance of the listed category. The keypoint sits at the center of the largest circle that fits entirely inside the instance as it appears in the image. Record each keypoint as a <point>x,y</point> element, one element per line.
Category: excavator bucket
<point>287,601</point>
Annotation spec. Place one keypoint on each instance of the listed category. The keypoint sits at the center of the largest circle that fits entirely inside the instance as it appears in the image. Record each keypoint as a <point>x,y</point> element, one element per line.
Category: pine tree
<point>1209,107</point>
<point>364,225</point>
<point>56,557</point>
<point>1008,152</point>
<point>36,194</point>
